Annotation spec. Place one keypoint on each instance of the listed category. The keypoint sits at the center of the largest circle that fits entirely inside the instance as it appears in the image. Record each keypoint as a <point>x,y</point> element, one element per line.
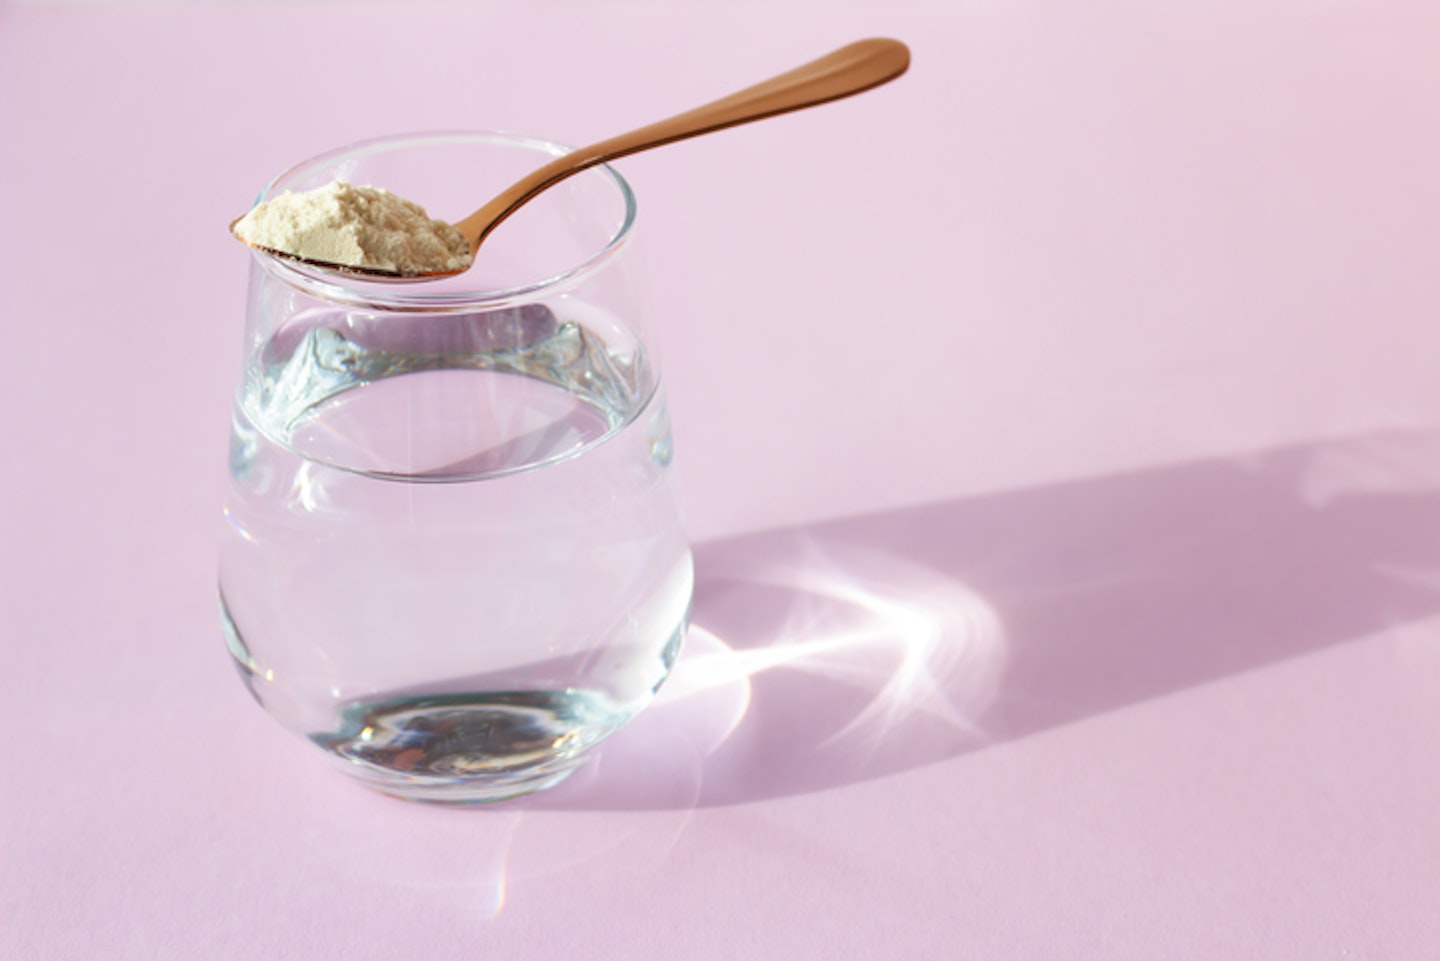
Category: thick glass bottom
<point>472,747</point>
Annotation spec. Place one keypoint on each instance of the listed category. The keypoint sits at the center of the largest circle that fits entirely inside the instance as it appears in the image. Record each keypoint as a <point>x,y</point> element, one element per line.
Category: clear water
<point>454,560</point>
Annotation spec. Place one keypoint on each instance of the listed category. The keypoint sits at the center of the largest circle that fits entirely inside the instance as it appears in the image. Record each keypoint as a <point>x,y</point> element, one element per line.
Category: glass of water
<point>454,560</point>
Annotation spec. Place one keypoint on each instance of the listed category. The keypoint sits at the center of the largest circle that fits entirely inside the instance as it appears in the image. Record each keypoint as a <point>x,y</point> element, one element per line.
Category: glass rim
<point>411,296</point>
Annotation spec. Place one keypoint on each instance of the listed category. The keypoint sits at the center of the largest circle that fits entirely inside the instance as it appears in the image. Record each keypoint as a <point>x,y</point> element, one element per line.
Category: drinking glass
<point>454,560</point>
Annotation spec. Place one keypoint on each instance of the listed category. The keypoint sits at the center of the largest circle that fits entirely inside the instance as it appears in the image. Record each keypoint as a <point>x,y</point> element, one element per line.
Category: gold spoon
<point>850,70</point>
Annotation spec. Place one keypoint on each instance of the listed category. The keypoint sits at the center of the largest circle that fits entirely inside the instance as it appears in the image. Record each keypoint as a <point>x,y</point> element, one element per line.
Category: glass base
<point>460,790</point>
<point>472,747</point>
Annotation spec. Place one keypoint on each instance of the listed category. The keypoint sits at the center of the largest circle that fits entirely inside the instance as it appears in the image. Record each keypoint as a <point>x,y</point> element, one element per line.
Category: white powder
<point>341,223</point>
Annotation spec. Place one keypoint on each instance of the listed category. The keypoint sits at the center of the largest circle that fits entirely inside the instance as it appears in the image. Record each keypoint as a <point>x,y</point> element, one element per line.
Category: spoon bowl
<point>852,69</point>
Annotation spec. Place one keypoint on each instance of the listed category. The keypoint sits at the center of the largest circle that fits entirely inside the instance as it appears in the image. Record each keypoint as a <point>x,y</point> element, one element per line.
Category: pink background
<point>1059,427</point>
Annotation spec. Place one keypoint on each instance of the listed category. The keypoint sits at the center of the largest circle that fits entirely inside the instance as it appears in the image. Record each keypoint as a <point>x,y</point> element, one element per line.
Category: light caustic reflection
<point>911,646</point>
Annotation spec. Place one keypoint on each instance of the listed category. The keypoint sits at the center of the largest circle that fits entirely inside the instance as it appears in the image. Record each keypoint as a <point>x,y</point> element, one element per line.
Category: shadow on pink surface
<point>854,649</point>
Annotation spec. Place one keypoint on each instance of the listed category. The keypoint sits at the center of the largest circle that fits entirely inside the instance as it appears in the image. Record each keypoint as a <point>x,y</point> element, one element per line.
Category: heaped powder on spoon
<point>341,223</point>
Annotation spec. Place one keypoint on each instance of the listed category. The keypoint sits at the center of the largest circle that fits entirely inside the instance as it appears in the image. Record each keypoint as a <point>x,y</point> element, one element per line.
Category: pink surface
<point>1060,431</point>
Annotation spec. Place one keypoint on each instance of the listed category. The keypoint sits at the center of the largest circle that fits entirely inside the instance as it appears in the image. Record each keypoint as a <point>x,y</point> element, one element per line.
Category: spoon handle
<point>849,70</point>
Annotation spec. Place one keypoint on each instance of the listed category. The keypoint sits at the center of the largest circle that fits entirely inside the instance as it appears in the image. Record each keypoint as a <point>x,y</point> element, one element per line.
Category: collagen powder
<point>341,223</point>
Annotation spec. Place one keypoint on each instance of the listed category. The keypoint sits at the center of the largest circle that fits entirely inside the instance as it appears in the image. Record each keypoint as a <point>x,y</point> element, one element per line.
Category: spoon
<point>852,69</point>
